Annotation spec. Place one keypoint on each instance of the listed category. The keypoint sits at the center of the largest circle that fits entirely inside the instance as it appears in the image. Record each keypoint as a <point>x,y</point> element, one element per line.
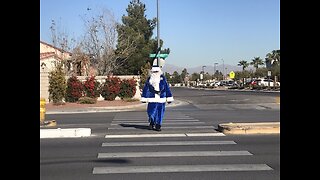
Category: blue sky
<point>198,33</point>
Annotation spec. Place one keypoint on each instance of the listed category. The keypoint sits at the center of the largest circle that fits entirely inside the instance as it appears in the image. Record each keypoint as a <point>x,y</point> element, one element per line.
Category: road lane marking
<point>168,143</point>
<point>172,154</point>
<point>164,128</point>
<point>146,118</point>
<point>166,123</point>
<point>204,134</point>
<point>181,168</point>
<point>164,135</point>
<point>146,122</point>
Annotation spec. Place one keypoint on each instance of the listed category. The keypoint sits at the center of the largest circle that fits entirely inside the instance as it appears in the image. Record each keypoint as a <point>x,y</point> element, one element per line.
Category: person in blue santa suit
<point>156,92</point>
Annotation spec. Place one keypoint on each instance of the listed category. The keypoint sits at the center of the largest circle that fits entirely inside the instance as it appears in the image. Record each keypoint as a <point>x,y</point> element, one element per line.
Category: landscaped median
<point>250,128</point>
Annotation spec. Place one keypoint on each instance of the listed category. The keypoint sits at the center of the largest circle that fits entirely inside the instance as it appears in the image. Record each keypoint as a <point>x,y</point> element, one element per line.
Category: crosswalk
<point>181,143</point>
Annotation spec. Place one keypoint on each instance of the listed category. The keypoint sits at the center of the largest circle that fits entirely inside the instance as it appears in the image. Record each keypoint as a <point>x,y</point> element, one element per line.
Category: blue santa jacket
<point>150,95</point>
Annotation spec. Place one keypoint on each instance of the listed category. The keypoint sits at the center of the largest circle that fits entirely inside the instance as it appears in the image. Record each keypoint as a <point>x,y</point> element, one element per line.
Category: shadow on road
<point>135,126</point>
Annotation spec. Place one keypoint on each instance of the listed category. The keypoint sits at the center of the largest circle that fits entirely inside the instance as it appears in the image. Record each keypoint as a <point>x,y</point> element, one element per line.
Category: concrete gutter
<point>250,128</point>
<point>64,133</point>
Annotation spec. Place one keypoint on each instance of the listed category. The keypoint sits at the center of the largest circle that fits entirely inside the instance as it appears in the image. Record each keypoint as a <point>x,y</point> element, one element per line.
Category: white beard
<point>155,80</point>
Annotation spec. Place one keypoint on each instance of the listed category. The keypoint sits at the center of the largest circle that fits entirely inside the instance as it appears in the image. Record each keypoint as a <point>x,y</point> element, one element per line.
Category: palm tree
<point>244,64</point>
<point>273,57</point>
<point>256,61</point>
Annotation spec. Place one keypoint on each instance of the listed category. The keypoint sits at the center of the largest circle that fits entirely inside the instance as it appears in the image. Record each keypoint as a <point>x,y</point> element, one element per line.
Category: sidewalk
<point>100,106</point>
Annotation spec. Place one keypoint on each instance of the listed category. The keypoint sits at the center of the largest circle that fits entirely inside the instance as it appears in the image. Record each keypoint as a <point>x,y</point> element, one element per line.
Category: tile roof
<point>47,55</point>
<point>55,47</point>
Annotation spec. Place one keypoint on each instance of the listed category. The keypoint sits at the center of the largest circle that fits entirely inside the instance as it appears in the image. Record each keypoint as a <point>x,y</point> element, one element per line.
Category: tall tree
<point>273,58</point>
<point>273,63</point>
<point>61,40</point>
<point>144,74</point>
<point>100,41</point>
<point>184,74</point>
<point>244,64</point>
<point>176,78</point>
<point>256,61</point>
<point>138,30</point>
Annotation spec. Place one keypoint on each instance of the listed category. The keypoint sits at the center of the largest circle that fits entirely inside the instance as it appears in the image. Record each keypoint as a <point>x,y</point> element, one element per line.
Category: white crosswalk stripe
<point>173,154</point>
<point>164,135</point>
<point>167,143</point>
<point>127,129</point>
<point>181,168</point>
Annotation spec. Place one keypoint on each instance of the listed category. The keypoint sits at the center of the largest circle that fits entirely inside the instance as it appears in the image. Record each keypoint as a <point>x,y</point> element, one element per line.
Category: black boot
<point>158,127</point>
<point>151,126</point>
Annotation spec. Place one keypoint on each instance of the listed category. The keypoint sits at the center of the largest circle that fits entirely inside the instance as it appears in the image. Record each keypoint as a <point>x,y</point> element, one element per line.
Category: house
<point>50,54</point>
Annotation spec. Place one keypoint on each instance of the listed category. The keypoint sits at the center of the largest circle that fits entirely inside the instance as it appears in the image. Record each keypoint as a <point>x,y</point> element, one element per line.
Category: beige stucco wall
<point>48,63</point>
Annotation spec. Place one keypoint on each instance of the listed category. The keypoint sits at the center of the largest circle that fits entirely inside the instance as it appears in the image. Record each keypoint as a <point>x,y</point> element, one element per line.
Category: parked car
<point>264,82</point>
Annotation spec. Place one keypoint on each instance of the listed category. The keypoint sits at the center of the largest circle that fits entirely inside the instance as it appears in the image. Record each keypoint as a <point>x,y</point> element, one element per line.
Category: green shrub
<point>87,100</point>
<point>74,89</point>
<point>110,88</point>
<point>57,84</point>
<point>127,88</point>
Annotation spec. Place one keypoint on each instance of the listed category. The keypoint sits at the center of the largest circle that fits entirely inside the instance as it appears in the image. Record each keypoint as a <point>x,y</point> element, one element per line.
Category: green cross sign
<point>159,55</point>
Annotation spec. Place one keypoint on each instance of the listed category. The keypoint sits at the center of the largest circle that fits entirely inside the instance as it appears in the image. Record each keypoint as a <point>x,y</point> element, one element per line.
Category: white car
<point>265,82</point>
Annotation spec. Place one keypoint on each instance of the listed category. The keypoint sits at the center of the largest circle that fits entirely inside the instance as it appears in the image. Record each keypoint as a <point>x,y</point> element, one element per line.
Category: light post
<point>226,71</point>
<point>223,69</point>
<point>214,69</point>
<point>202,77</point>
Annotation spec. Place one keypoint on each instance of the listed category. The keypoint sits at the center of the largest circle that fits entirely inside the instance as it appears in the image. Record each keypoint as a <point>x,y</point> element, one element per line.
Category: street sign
<point>269,73</point>
<point>232,74</point>
<point>159,55</point>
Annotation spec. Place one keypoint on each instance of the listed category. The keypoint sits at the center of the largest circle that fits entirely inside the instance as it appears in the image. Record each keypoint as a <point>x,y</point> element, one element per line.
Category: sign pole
<point>158,32</point>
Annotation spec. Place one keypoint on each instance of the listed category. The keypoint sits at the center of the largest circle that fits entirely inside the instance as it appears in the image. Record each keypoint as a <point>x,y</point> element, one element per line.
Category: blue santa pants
<point>156,112</point>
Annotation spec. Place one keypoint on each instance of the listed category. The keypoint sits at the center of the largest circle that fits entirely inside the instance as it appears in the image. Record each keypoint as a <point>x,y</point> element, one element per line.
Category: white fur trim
<point>159,100</point>
<point>170,99</point>
<point>143,99</point>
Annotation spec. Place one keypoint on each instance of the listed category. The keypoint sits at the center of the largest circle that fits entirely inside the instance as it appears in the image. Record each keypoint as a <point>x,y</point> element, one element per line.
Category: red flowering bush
<point>110,88</point>
<point>91,87</point>
<point>74,89</point>
<point>127,88</point>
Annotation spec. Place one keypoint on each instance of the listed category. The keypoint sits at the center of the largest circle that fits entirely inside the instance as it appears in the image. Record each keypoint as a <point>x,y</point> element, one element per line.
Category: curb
<point>111,109</point>
<point>250,128</point>
<point>62,133</point>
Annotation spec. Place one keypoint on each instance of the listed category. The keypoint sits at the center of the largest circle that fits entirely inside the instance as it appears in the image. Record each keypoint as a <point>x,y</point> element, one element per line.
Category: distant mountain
<point>210,69</point>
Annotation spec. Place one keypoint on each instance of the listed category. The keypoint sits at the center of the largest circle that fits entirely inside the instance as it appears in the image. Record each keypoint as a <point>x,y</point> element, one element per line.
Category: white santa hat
<point>161,62</point>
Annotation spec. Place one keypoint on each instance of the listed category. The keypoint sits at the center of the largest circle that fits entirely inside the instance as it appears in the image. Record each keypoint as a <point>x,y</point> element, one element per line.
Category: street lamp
<point>223,69</point>
<point>226,71</point>
<point>202,73</point>
<point>214,69</point>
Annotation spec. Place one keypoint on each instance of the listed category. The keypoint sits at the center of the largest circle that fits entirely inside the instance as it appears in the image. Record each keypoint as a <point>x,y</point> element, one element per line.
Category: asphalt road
<point>188,147</point>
